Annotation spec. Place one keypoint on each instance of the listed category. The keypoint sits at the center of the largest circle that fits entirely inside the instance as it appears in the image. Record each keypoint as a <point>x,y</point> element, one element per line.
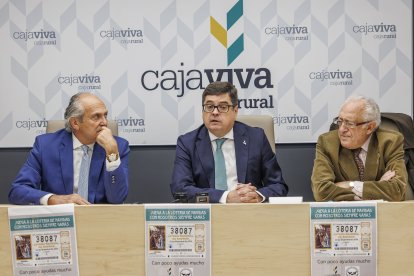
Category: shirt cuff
<point>223,198</point>
<point>44,199</point>
<point>111,166</point>
<point>358,188</point>
<point>264,198</point>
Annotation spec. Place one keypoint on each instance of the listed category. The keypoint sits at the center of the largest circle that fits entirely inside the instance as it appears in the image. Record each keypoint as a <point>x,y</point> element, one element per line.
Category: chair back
<point>55,125</point>
<point>263,121</point>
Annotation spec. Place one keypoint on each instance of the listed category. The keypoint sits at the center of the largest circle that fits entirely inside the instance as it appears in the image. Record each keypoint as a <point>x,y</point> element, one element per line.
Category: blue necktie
<point>220,167</point>
<point>84,173</point>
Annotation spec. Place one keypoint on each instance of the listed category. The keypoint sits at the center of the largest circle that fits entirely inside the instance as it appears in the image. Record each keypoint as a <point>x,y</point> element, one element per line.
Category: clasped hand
<point>244,193</point>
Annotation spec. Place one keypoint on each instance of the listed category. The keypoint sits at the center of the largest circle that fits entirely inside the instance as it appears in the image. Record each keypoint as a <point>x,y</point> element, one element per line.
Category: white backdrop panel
<point>149,61</point>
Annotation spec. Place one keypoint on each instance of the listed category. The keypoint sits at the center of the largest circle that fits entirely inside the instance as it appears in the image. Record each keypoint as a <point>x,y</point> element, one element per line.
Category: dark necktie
<point>220,167</point>
<point>359,163</point>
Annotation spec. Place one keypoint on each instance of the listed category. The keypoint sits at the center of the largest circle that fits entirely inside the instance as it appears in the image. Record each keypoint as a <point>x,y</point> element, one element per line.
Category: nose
<point>343,127</point>
<point>215,110</point>
<point>104,121</point>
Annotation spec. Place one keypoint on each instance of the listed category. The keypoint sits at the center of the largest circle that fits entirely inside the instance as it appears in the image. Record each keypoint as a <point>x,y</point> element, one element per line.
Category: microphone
<point>202,198</point>
<point>180,197</point>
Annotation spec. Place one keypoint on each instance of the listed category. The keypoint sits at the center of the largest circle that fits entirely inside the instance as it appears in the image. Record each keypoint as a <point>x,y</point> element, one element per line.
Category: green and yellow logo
<point>220,33</point>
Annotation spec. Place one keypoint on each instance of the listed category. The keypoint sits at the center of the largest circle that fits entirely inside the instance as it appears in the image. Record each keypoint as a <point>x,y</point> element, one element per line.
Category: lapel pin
<point>244,142</point>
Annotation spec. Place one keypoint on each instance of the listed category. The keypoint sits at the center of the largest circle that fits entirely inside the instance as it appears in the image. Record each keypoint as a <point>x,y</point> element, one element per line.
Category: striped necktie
<point>84,173</point>
<point>220,167</point>
<point>359,163</point>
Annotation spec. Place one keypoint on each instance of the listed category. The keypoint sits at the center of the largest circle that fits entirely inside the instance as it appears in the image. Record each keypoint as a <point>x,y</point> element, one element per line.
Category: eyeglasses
<point>222,108</point>
<point>348,124</point>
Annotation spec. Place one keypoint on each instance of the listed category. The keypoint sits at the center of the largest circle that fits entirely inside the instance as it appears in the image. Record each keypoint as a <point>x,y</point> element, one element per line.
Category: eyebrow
<point>99,113</point>
<point>342,119</point>
<point>211,102</point>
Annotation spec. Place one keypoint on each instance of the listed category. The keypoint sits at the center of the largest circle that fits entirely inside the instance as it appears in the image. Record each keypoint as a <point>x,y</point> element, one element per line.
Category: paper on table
<point>286,200</point>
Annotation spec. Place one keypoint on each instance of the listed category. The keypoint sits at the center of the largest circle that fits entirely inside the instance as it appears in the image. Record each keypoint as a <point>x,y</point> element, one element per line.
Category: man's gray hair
<point>75,109</point>
<point>371,108</point>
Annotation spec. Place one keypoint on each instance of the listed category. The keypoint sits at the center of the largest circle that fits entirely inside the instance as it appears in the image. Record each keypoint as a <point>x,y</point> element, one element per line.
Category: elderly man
<point>81,164</point>
<point>359,161</point>
<point>229,160</point>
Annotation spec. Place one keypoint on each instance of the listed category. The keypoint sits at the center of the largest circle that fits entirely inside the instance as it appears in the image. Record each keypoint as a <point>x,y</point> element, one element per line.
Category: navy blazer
<point>256,163</point>
<point>49,169</point>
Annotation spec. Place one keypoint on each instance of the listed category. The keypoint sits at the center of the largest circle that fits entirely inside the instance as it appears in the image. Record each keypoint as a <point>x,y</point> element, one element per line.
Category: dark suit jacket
<point>49,169</point>
<point>333,163</point>
<point>256,163</point>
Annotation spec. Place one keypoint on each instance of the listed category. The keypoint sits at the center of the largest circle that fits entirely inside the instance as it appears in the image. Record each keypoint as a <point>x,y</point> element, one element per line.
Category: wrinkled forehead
<point>352,111</point>
<point>93,104</point>
<point>220,98</point>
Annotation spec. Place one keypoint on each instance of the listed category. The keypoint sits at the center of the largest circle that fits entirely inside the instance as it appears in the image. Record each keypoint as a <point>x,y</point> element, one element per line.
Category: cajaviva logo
<point>39,38</point>
<point>220,33</point>
<point>83,82</point>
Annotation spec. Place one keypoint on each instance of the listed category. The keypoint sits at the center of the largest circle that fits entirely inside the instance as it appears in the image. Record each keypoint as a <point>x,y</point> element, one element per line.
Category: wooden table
<point>247,239</point>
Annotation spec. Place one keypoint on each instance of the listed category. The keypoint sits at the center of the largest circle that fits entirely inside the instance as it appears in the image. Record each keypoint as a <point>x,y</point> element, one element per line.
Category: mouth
<point>214,121</point>
<point>342,137</point>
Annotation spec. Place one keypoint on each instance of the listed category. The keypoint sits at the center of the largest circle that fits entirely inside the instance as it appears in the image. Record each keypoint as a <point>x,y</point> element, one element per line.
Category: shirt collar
<point>366,144</point>
<point>229,135</point>
<point>78,144</point>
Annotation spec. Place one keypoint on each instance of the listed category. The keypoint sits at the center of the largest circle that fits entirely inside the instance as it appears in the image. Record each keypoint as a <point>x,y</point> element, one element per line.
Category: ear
<point>371,127</point>
<point>74,122</point>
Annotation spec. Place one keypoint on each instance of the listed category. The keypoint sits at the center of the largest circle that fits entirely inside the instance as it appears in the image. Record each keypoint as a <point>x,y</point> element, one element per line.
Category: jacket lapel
<point>241,145</point>
<point>373,159</point>
<point>205,155</point>
<point>347,165</point>
<point>349,168</point>
<point>97,165</point>
<point>66,161</point>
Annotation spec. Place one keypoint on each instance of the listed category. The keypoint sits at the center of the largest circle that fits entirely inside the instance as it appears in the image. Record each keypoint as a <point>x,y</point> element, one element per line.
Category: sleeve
<point>25,188</point>
<point>116,181</point>
<point>395,188</point>
<point>272,179</point>
<point>323,176</point>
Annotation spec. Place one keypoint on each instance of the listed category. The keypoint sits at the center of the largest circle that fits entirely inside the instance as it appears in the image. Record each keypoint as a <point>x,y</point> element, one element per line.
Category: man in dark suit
<point>359,161</point>
<point>249,172</point>
<point>81,164</point>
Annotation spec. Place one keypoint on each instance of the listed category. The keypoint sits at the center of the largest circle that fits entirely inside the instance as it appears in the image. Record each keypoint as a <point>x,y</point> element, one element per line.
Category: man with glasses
<point>359,161</point>
<point>229,160</point>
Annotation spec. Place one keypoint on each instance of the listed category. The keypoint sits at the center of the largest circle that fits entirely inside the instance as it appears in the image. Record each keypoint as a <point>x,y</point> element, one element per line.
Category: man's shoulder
<point>239,126</point>
<point>329,141</point>
<point>121,140</point>
<point>193,134</point>
<point>388,133</point>
<point>329,136</point>
<point>52,140</point>
<point>385,135</point>
<point>53,135</point>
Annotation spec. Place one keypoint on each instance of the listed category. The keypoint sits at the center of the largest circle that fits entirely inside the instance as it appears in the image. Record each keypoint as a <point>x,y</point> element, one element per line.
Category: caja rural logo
<point>220,33</point>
